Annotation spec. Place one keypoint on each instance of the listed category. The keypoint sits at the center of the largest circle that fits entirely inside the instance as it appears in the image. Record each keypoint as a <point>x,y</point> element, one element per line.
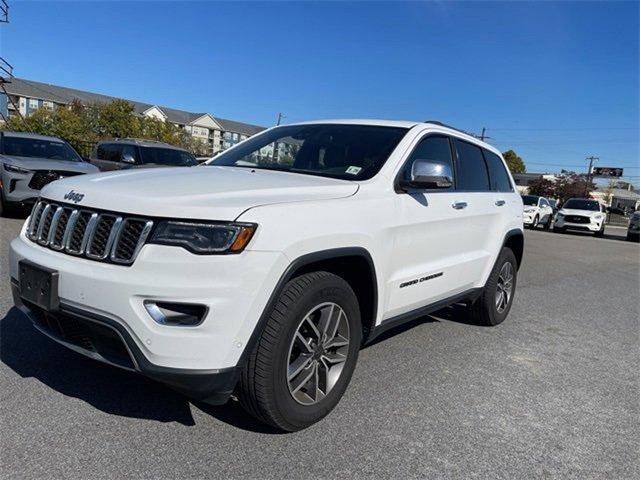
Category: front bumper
<point>105,340</point>
<point>593,226</point>
<point>15,187</point>
<point>234,288</point>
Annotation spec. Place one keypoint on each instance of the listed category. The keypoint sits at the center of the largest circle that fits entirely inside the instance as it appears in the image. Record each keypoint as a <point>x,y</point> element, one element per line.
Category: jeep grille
<point>101,236</point>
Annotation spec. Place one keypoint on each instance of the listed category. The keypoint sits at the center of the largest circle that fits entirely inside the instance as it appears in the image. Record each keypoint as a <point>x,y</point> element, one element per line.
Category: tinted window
<point>434,148</point>
<point>544,203</point>
<point>109,151</point>
<point>530,200</point>
<point>472,171</point>
<point>39,148</point>
<point>167,156</point>
<point>582,204</point>
<point>499,177</point>
<point>349,152</point>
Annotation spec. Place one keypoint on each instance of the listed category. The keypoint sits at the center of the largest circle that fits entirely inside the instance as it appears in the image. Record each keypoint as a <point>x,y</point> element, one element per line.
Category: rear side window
<point>499,177</point>
<point>435,148</point>
<point>472,171</point>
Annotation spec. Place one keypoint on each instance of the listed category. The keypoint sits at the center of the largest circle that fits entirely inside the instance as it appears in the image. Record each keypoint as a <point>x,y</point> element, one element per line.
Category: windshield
<point>348,152</point>
<point>167,156</point>
<point>37,148</point>
<point>530,200</point>
<point>578,204</point>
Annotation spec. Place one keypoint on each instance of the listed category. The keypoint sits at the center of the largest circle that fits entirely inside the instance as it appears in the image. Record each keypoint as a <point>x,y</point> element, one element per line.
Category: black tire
<point>484,310</point>
<point>600,233</point>
<point>263,389</point>
<point>3,210</point>
<point>558,230</point>
<point>547,225</point>
<point>536,220</point>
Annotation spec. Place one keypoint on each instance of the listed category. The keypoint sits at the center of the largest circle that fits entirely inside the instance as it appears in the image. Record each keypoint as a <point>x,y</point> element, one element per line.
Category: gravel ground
<point>551,393</point>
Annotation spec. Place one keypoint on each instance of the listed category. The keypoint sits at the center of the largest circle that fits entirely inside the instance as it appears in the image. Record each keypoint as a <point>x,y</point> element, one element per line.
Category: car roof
<point>141,142</point>
<point>33,136</point>
<point>405,124</point>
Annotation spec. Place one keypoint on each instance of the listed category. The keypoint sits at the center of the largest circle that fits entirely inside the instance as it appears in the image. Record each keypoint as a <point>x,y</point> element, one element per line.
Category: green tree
<point>543,187</point>
<point>83,126</point>
<point>514,162</point>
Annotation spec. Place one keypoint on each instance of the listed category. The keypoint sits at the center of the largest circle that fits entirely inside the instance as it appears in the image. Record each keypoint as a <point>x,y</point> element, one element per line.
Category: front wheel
<point>497,295</point>
<point>301,365</point>
<point>600,233</point>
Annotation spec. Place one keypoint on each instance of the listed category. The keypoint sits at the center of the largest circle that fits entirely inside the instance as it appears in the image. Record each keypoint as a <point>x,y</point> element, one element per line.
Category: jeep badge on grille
<point>75,197</point>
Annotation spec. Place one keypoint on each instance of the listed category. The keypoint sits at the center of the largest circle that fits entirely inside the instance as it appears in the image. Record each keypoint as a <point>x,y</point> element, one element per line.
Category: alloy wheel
<point>504,287</point>
<point>317,353</point>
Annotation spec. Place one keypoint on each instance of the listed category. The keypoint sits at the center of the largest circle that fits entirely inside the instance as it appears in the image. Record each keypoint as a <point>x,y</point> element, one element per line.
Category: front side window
<point>39,148</point>
<point>167,156</point>
<point>544,203</point>
<point>348,152</point>
<point>582,204</point>
<point>499,177</point>
<point>109,152</point>
<point>433,148</point>
<point>472,171</point>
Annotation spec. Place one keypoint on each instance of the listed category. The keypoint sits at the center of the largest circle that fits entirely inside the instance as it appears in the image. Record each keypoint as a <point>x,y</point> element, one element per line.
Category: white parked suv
<point>537,211</point>
<point>262,273</point>
<point>581,214</point>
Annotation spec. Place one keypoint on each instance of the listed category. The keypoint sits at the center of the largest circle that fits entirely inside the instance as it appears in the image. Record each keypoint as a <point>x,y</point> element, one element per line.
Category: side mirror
<point>426,174</point>
<point>128,158</point>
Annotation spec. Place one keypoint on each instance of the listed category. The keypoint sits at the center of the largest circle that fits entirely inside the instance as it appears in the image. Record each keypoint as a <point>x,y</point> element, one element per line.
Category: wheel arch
<point>353,264</point>
<point>514,239</point>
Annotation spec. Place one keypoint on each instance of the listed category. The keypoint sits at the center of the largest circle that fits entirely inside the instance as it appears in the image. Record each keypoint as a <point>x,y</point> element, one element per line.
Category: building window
<point>33,103</point>
<point>48,105</point>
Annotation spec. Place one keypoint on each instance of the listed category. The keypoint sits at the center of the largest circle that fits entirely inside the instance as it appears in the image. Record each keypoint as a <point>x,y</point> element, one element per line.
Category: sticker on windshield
<point>353,170</point>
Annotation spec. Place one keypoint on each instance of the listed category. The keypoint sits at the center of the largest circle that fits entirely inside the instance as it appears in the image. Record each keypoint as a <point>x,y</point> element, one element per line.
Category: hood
<point>584,213</point>
<point>34,163</point>
<point>208,193</point>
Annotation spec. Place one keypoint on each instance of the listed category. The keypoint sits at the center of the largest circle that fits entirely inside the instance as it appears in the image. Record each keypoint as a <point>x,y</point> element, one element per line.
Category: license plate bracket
<point>39,285</point>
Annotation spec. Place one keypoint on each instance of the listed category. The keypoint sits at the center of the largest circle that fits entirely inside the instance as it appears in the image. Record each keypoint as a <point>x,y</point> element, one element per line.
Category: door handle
<point>500,203</point>
<point>459,205</point>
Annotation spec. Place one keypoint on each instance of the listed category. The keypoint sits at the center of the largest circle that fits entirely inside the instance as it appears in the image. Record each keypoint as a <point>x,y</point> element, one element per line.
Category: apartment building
<point>26,96</point>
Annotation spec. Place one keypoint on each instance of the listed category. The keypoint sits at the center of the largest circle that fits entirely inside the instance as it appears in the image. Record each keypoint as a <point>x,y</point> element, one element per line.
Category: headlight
<point>14,169</point>
<point>598,216</point>
<point>204,238</point>
<point>559,215</point>
<point>529,209</point>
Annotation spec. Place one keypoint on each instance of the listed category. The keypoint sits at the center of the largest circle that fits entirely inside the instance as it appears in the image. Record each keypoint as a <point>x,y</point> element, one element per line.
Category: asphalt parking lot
<point>551,393</point>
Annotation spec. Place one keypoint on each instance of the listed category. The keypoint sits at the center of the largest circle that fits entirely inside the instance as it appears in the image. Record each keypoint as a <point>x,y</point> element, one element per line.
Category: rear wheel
<point>497,295</point>
<point>304,359</point>
<point>547,225</point>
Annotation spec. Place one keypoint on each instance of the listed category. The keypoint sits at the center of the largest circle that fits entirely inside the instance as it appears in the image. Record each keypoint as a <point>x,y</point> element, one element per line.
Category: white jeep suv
<point>261,273</point>
<point>581,214</point>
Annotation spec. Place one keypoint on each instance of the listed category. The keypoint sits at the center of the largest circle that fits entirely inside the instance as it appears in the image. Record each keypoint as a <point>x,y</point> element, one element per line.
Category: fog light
<point>176,314</point>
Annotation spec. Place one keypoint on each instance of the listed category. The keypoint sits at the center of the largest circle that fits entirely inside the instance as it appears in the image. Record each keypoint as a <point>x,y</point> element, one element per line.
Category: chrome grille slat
<point>99,236</point>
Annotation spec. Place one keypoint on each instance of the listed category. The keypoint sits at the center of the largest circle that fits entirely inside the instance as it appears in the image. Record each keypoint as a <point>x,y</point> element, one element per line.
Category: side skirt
<point>393,322</point>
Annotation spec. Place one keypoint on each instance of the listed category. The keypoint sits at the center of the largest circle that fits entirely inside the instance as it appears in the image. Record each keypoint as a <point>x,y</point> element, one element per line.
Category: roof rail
<point>436,122</point>
<point>131,139</point>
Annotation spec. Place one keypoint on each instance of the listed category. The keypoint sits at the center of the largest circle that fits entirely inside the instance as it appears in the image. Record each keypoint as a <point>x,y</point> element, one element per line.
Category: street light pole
<point>589,176</point>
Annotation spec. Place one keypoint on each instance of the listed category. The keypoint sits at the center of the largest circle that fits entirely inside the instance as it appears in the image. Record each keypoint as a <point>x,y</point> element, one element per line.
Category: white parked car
<point>263,276</point>
<point>536,211</point>
<point>581,214</point>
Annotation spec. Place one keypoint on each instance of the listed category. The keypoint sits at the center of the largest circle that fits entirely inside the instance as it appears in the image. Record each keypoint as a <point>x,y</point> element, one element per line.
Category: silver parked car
<point>28,162</point>
<point>124,153</point>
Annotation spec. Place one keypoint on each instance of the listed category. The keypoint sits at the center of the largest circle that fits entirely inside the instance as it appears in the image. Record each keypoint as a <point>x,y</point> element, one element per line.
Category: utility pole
<point>589,176</point>
<point>280,117</point>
